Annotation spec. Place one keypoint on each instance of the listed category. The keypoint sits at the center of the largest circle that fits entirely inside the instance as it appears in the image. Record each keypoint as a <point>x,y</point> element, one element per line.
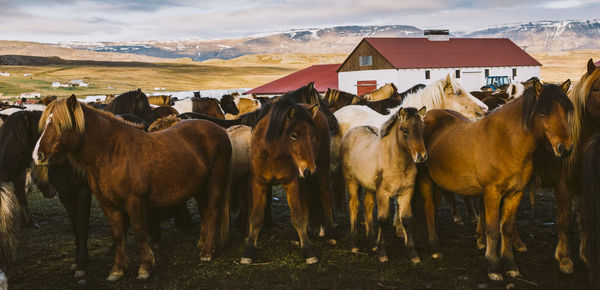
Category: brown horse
<point>494,102</point>
<point>290,146</point>
<point>46,100</point>
<point>132,102</point>
<point>144,169</point>
<point>459,161</point>
<point>160,100</point>
<point>336,99</point>
<point>564,176</point>
<point>244,105</point>
<point>590,209</point>
<point>391,155</point>
<point>164,111</point>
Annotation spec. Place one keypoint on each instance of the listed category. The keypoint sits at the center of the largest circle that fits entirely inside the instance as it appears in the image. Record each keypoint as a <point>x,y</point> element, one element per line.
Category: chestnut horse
<point>460,162</point>
<point>384,164</point>
<point>132,102</point>
<point>144,169</point>
<point>290,146</point>
<point>164,111</point>
<point>8,230</point>
<point>590,209</point>
<point>564,175</point>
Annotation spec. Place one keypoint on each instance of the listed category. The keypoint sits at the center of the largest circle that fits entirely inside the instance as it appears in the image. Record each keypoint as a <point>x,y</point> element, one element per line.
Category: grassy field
<point>44,256</point>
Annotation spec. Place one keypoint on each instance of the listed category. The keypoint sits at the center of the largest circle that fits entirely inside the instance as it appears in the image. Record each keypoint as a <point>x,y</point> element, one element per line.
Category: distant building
<point>4,74</point>
<point>59,85</point>
<point>78,83</point>
<point>31,95</point>
<point>28,75</point>
<point>324,76</point>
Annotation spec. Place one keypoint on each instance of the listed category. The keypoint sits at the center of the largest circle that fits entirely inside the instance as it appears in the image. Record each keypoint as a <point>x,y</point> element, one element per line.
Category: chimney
<point>437,34</point>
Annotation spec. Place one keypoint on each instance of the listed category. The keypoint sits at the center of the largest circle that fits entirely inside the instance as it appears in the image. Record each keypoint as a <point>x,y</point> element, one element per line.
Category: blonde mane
<point>578,96</point>
<point>61,116</point>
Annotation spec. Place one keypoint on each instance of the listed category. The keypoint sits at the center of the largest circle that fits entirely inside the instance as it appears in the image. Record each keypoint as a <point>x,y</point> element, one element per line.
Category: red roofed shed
<point>324,75</point>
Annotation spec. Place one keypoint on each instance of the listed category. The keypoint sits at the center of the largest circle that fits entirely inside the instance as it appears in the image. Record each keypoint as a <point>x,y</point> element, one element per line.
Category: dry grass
<point>558,67</point>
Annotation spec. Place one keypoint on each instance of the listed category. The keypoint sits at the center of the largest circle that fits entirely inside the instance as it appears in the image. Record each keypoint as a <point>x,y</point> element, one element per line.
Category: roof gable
<point>405,53</point>
<point>324,75</point>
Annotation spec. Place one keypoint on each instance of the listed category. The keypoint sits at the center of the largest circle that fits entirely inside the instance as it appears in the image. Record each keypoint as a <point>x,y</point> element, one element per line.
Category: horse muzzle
<point>40,159</point>
<point>562,151</point>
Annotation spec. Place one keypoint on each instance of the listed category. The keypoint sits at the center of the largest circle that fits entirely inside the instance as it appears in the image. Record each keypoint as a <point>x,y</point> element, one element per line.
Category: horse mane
<point>285,114</point>
<point>248,119</point>
<point>590,206</point>
<point>64,118</point>
<point>578,96</point>
<point>227,97</point>
<point>543,103</point>
<point>386,128</point>
<point>308,94</point>
<point>412,90</point>
<point>430,96</point>
<point>163,123</point>
<point>126,102</point>
<point>20,128</point>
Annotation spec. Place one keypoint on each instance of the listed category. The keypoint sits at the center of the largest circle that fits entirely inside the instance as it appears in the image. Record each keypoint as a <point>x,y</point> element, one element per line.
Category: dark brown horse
<point>132,102</point>
<point>46,100</point>
<point>459,162</point>
<point>70,183</point>
<point>590,209</point>
<point>290,146</point>
<point>336,99</point>
<point>564,175</point>
<point>494,102</point>
<point>164,111</point>
<point>145,169</point>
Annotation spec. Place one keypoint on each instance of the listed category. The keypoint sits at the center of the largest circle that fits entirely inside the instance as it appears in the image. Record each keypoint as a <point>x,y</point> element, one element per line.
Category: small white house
<point>4,74</point>
<point>28,75</point>
<point>410,61</point>
<point>31,95</point>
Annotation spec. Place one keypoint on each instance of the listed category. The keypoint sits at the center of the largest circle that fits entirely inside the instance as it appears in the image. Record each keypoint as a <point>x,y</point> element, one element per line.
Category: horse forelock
<point>578,96</point>
<point>281,121</point>
<point>63,117</point>
<point>411,115</point>
<point>543,103</point>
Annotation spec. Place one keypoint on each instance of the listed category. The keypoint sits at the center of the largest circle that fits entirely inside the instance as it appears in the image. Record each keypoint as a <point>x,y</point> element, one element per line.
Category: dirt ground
<point>46,253</point>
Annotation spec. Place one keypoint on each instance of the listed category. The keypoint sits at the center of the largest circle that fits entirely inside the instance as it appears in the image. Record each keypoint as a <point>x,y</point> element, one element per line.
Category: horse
<point>493,102</point>
<point>145,169</point>
<point>18,139</point>
<point>289,146</point>
<point>564,175</point>
<point>460,162</point>
<point>337,99</point>
<point>164,111</point>
<point>160,100</point>
<point>386,91</point>
<point>590,208</point>
<point>132,102</point>
<point>413,90</point>
<point>8,230</point>
<point>163,123</point>
<point>244,105</point>
<point>384,164</point>
<point>263,100</point>
<point>213,107</point>
<point>46,100</point>
<point>229,104</point>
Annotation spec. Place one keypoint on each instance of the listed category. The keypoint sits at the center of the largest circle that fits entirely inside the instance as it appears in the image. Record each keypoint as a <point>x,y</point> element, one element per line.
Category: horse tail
<point>8,225</point>
<point>590,209</point>
<point>224,216</point>
<point>419,222</point>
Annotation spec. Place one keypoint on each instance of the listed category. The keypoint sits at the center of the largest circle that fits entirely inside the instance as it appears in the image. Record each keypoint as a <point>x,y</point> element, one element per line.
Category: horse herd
<point>403,150</point>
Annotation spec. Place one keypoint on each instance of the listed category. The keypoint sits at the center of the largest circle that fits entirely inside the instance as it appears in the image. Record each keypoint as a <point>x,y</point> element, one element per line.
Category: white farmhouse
<point>410,61</point>
<point>4,74</point>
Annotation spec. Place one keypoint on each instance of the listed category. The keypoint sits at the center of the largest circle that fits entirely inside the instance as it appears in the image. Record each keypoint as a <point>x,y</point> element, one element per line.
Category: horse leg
<point>491,201</point>
<point>183,219</point>
<point>427,189</point>
<point>470,209</point>
<point>400,231</point>
<point>154,221</point>
<point>451,201</point>
<point>383,212</point>
<point>216,200</point>
<point>138,216</point>
<point>369,205</point>
<point>257,214</point>
<point>268,220</point>
<point>480,231</point>
<point>564,203</point>
<point>70,205</point>
<point>297,201</point>
<point>353,204</point>
<point>83,204</point>
<point>404,206</point>
<point>517,242</point>
<point>507,226</point>
<point>327,205</point>
<point>117,220</point>
<point>21,194</point>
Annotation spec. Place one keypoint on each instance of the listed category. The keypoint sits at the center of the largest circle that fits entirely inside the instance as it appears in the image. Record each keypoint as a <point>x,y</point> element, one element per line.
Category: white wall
<point>407,78</point>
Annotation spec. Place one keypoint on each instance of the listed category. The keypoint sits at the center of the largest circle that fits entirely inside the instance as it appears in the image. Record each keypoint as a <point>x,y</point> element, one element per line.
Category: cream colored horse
<point>244,105</point>
<point>385,92</point>
<point>384,164</point>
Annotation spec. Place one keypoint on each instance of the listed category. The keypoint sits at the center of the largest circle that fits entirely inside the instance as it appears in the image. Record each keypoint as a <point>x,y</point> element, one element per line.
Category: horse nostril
<point>40,156</point>
<point>561,149</point>
<point>425,156</point>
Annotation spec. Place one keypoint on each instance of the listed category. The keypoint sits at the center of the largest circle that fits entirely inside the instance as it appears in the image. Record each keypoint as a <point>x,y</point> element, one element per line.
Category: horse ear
<point>448,83</point>
<point>311,86</point>
<point>591,66</point>
<point>566,85</point>
<point>537,85</point>
<point>72,101</point>
<point>513,90</point>
<point>401,114</point>
<point>313,110</point>
<point>422,111</point>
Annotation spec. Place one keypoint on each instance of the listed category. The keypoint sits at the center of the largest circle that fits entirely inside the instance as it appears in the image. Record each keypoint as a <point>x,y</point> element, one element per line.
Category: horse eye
<point>294,136</point>
<point>405,132</point>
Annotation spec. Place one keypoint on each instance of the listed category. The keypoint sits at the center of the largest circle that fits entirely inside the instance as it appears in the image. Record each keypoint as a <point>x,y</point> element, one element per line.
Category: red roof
<point>324,75</point>
<point>456,52</point>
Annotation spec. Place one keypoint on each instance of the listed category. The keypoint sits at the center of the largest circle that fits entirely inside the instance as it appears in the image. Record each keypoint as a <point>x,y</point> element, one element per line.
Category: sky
<point>53,21</point>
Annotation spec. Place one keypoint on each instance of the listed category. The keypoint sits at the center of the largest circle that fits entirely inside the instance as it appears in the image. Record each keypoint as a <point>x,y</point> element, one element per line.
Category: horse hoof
<point>459,222</point>
<point>495,276</point>
<point>513,273</point>
<point>354,250</point>
<point>374,249</point>
<point>73,267</point>
<point>521,248</point>
<point>295,243</point>
<point>205,258</point>
<point>246,261</point>
<point>82,282</point>
<point>321,232</point>
<point>114,276</point>
<point>415,260</point>
<point>437,255</point>
<point>383,259</point>
<point>480,246</point>
<point>79,274</point>
<point>566,267</point>
<point>143,275</point>
<point>312,260</point>
<point>332,242</point>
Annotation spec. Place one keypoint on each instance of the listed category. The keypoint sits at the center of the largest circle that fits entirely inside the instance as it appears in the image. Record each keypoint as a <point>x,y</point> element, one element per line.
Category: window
<point>457,73</point>
<point>365,60</point>
<point>487,72</point>
<point>427,75</point>
<point>514,72</point>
